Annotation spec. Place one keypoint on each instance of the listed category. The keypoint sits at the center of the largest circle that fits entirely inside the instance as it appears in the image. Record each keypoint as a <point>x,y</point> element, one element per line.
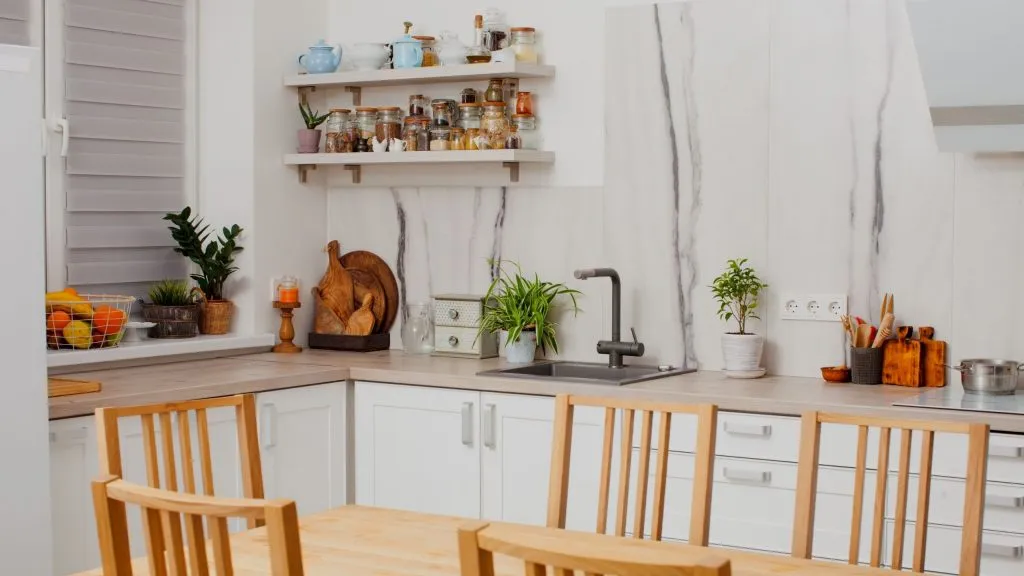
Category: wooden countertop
<point>782,395</point>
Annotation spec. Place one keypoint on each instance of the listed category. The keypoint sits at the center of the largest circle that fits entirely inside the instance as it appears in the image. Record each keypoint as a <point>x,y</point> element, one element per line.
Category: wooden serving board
<point>68,387</point>
<point>933,358</point>
<point>901,363</point>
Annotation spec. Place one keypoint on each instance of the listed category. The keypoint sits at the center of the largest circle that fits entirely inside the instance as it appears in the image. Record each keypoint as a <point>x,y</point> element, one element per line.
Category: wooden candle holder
<point>287,332</point>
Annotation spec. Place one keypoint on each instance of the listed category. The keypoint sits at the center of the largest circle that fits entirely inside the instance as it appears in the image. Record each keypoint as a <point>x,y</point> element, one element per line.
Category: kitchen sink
<point>586,372</point>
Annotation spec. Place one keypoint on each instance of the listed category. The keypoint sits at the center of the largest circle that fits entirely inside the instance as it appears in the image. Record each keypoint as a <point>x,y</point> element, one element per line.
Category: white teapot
<point>450,50</point>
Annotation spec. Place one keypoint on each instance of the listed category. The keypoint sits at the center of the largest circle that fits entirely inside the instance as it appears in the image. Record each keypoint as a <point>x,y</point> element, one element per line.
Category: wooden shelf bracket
<point>513,170</point>
<point>357,94</point>
<point>357,173</point>
<point>302,171</point>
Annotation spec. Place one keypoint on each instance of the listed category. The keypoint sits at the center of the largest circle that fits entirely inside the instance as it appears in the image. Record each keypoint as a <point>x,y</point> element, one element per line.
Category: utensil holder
<point>866,365</point>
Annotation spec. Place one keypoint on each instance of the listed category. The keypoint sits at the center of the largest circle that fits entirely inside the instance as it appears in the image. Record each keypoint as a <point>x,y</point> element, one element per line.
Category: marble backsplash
<point>791,132</point>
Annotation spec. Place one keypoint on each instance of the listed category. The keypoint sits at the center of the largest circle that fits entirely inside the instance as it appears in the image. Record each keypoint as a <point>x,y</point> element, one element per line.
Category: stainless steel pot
<point>987,376</point>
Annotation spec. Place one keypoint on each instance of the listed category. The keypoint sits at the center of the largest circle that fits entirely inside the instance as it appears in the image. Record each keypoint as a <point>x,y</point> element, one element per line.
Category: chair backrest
<point>167,509</point>
<point>108,435</point>
<point>561,448</point>
<point>974,501</point>
<point>567,552</point>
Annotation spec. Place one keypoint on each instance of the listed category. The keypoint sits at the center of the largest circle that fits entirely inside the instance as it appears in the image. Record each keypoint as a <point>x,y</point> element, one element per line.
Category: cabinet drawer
<point>1001,554</point>
<point>464,313</point>
<point>1004,503</point>
<point>455,340</point>
<point>741,435</point>
<point>1005,461</point>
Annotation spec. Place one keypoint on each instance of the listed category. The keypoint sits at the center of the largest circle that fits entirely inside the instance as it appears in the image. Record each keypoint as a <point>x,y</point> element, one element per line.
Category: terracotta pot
<point>216,316</point>
<point>309,141</point>
<point>742,351</point>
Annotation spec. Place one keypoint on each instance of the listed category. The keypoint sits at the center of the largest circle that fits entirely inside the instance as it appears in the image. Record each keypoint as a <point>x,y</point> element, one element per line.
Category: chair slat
<point>606,470</point>
<point>974,499</point>
<point>858,494</point>
<point>626,459</point>
<point>198,562</point>
<point>924,488</point>
<point>188,475</point>
<point>661,475</point>
<point>561,454</point>
<point>205,458</point>
<point>703,475</point>
<point>221,547</point>
<point>643,471</point>
<point>806,483</point>
<point>881,480</point>
<point>903,483</point>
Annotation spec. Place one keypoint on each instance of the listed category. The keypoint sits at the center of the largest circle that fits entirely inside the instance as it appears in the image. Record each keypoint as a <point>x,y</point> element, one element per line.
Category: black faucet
<point>614,348</point>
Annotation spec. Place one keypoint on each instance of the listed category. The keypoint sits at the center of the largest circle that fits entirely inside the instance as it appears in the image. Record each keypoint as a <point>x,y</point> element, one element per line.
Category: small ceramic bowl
<point>836,374</point>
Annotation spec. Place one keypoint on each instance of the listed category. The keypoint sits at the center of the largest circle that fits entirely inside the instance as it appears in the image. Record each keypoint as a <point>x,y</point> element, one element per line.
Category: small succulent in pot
<point>737,291</point>
<point>172,306</point>
<point>309,138</point>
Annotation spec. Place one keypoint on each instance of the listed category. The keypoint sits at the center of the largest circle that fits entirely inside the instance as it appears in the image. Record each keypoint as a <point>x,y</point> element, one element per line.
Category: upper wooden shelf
<point>428,75</point>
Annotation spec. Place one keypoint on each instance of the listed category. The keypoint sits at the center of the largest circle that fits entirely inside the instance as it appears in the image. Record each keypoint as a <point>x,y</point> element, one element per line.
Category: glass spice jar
<point>524,39</point>
<point>470,115</point>
<point>458,139</point>
<point>337,121</point>
<point>440,139</point>
<point>513,141</point>
<point>495,29</point>
<point>423,137</point>
<point>389,123</point>
<point>524,103</point>
<point>442,113</point>
<point>468,96</point>
<point>495,90</point>
<point>427,43</point>
<point>526,127</point>
<point>418,105</point>
<point>410,133</point>
<point>366,120</point>
<point>494,126</point>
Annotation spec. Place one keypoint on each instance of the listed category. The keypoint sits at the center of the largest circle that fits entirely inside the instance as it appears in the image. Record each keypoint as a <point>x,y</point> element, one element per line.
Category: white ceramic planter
<point>521,351</point>
<point>742,351</point>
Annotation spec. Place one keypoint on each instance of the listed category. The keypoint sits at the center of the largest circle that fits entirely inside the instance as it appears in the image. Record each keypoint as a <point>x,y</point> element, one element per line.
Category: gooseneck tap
<point>614,348</point>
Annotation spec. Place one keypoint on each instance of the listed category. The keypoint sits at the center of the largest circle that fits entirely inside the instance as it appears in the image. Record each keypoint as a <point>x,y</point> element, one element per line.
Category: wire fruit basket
<point>84,321</point>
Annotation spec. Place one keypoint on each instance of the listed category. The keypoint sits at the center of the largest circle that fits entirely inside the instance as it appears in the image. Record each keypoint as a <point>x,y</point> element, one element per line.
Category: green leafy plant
<point>171,293</point>
<point>736,291</point>
<point>518,304</point>
<point>214,257</point>
<point>312,119</point>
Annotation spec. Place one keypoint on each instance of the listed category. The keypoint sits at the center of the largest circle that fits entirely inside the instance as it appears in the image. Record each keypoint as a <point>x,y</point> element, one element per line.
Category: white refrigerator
<point>25,541</point>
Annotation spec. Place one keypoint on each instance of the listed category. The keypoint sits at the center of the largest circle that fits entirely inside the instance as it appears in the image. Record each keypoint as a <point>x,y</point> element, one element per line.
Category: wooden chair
<point>700,516</point>
<point>974,501</point>
<point>567,552</point>
<point>107,431</point>
<point>110,494</point>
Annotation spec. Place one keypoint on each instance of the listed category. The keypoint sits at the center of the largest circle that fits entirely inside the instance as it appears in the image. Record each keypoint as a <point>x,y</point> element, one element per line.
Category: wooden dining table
<point>356,540</point>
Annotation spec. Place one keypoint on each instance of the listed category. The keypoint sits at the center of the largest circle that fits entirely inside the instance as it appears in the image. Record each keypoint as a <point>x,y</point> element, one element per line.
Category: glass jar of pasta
<point>335,136</point>
<point>494,126</point>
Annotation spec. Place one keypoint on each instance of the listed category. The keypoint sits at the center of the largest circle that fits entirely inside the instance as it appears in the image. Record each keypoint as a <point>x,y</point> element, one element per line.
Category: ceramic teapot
<point>367,56</point>
<point>408,51</point>
<point>321,58</point>
<point>451,51</point>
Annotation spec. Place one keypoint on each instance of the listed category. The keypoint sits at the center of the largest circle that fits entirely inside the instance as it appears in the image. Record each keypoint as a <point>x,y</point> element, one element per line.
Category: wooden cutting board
<point>365,282</point>
<point>933,358</point>
<point>378,267</point>
<point>901,360</point>
<point>68,387</point>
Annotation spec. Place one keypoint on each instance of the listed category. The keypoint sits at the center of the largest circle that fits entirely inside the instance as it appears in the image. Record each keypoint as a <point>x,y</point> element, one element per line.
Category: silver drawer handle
<point>1006,451</point>
<point>1004,501</point>
<point>467,423</point>
<point>453,314</point>
<point>453,341</point>
<point>1004,550</point>
<point>764,430</point>
<point>759,477</point>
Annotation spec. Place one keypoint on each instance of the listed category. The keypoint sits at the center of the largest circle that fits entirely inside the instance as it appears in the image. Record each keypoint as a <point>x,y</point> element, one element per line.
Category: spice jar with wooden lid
<point>440,139</point>
<point>458,139</point>
<point>427,43</point>
<point>423,137</point>
<point>494,126</point>
<point>495,90</point>
<point>334,140</point>
<point>526,126</point>
<point>524,39</point>
<point>410,133</point>
<point>388,124</point>
<point>366,120</point>
<point>418,105</point>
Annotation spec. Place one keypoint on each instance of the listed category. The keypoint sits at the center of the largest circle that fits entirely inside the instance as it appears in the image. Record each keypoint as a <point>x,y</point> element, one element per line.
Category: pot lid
<point>321,45</point>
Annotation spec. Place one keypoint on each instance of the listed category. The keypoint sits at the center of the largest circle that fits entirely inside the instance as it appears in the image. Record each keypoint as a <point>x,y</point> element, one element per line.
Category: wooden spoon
<point>863,336</point>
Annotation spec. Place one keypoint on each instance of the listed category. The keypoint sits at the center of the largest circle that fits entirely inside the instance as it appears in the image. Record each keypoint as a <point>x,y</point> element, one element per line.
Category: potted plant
<point>215,258</point>
<point>172,306</point>
<point>737,291</point>
<point>309,139</point>
<point>519,308</point>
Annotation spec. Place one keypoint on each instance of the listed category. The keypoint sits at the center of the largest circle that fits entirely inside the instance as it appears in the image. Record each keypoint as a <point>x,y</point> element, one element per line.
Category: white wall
<point>25,540</point>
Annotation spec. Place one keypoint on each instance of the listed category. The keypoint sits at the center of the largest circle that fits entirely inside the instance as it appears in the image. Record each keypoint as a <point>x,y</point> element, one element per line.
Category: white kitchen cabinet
<point>74,464</point>
<point>516,434</point>
<point>302,445</point>
<point>417,449</point>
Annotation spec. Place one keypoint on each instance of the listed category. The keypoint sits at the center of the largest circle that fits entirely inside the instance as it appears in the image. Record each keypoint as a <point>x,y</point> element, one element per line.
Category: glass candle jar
<point>366,119</point>
<point>523,43</point>
<point>494,126</point>
<point>495,90</point>
<point>458,139</point>
<point>337,122</point>
<point>418,105</point>
<point>524,103</point>
<point>440,139</point>
<point>389,123</point>
<point>526,126</point>
<point>288,290</point>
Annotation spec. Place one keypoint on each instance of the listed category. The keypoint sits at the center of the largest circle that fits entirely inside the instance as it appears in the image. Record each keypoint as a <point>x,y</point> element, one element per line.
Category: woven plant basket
<point>172,321</point>
<point>215,317</point>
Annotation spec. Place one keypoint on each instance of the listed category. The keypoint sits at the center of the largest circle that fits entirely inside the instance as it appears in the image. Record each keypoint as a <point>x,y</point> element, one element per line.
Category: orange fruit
<point>57,321</point>
<point>71,291</point>
<point>107,320</point>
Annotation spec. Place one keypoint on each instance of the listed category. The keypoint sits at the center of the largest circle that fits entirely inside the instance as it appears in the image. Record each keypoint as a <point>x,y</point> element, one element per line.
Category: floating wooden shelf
<point>355,161</point>
<point>429,75</point>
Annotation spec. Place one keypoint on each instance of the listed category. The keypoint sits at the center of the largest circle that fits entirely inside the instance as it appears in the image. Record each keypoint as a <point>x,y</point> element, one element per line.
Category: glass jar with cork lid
<point>335,135</point>
<point>366,121</point>
<point>389,123</point>
<point>493,126</point>
<point>524,40</point>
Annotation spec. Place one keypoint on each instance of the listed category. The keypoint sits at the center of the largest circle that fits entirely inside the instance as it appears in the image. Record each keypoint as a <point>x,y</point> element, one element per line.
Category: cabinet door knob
<point>453,314</point>
<point>453,341</point>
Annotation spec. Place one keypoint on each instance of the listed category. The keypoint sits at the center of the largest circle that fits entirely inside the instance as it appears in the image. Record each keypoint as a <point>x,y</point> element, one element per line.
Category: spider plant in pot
<point>215,258</point>
<point>520,308</point>
<point>309,138</point>
<point>737,291</point>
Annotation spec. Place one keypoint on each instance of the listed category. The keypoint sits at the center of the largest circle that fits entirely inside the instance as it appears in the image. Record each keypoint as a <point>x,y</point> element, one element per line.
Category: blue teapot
<point>407,52</point>
<point>321,58</point>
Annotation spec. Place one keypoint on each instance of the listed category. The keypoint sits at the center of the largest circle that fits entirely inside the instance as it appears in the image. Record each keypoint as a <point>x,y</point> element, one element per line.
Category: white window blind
<point>14,22</point>
<point>124,89</point>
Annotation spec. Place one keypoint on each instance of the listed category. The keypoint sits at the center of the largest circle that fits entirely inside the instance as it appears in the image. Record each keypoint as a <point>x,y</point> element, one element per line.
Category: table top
<point>354,540</point>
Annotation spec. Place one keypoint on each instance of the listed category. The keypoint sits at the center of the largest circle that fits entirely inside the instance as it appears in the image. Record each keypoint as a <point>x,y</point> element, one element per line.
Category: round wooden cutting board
<point>375,265</point>
<point>365,282</point>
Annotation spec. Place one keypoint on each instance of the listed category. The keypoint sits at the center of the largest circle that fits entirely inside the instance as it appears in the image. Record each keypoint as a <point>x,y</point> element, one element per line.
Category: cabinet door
<point>516,433</point>
<point>302,445</point>
<point>417,449</point>
<point>73,466</point>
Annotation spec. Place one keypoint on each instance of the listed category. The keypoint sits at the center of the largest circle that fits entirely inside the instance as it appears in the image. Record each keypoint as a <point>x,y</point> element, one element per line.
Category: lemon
<point>78,334</point>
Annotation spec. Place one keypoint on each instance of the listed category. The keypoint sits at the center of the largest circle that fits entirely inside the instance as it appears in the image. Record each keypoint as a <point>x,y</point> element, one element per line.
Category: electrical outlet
<point>819,307</point>
<point>794,307</point>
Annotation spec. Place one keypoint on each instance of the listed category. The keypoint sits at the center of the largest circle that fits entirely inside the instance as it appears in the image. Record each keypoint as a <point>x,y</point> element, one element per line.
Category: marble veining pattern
<point>400,253</point>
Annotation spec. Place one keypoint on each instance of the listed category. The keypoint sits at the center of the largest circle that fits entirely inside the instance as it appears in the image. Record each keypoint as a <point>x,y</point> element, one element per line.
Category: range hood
<point>972,61</point>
